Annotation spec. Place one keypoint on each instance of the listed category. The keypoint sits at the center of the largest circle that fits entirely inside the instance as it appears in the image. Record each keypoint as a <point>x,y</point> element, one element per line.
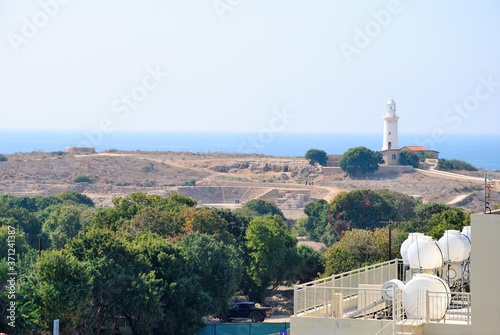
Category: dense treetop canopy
<point>360,160</point>
<point>316,156</point>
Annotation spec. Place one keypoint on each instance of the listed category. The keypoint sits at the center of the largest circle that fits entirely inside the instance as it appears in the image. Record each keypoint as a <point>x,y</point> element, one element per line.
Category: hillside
<point>220,179</point>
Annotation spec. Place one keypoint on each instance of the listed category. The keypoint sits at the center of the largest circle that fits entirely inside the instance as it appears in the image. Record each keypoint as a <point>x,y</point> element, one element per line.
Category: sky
<point>239,65</point>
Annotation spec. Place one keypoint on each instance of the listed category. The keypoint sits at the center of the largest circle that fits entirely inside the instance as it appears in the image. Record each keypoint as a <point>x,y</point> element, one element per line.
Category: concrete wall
<point>333,160</point>
<point>330,326</point>
<point>331,170</point>
<point>394,169</point>
<point>447,329</point>
<point>485,274</point>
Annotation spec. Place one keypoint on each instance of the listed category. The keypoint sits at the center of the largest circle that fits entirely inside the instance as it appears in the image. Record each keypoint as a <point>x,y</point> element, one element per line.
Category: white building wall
<point>485,274</point>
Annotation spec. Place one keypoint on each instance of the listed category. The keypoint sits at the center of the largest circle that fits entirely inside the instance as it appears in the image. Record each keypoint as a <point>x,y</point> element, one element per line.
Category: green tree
<point>423,213</point>
<point>360,160</point>
<point>263,207</point>
<point>183,299</point>
<point>237,222</point>
<point>272,253</point>
<point>357,248</point>
<point>13,202</point>
<point>453,218</point>
<point>206,220</point>
<point>44,201</point>
<point>311,264</point>
<point>168,211</point>
<point>408,157</point>
<point>156,220</point>
<point>360,209</point>
<point>316,156</point>
<point>23,220</point>
<point>60,288</point>
<point>20,246</point>
<point>404,205</point>
<point>316,222</point>
<point>217,265</point>
<point>75,198</point>
<point>124,285</point>
<point>62,224</point>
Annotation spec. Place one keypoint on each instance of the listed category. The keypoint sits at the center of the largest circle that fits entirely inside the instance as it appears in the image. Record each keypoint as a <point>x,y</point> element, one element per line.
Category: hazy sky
<point>248,65</point>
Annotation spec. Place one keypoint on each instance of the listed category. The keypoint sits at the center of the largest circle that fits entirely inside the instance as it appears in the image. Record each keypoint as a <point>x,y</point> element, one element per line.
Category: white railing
<point>456,304</point>
<point>399,324</point>
<point>313,295</point>
<point>344,302</point>
<point>350,295</point>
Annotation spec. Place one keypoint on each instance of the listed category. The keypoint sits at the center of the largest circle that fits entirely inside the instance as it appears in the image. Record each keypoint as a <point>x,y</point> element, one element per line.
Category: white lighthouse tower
<point>390,127</point>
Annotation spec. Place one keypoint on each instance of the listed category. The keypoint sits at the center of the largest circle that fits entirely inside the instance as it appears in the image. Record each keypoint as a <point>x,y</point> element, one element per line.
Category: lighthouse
<point>390,127</point>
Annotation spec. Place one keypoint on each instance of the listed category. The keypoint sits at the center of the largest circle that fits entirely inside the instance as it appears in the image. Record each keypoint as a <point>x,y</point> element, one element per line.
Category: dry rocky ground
<point>280,179</point>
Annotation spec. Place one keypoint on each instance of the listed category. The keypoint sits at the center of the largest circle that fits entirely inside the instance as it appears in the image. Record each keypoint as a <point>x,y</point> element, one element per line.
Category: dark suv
<point>245,310</point>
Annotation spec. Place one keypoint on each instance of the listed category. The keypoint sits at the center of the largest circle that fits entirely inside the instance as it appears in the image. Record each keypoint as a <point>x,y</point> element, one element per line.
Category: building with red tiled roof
<point>391,156</point>
<point>422,152</point>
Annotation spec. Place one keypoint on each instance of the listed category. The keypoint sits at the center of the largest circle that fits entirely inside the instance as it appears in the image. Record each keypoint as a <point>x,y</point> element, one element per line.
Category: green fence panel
<point>244,328</point>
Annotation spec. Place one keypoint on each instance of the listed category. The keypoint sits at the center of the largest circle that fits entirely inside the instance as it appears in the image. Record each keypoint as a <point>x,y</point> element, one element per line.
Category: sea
<point>480,150</point>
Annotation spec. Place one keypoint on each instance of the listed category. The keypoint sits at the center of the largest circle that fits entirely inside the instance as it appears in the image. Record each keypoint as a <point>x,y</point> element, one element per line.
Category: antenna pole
<point>390,222</point>
<point>390,239</point>
<point>485,187</point>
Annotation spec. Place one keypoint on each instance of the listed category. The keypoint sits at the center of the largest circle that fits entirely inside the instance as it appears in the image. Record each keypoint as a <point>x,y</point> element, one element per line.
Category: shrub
<point>148,167</point>
<point>82,178</point>
<point>148,183</point>
<point>408,157</point>
<point>455,164</point>
<point>3,158</point>
<point>123,183</point>
<point>191,182</point>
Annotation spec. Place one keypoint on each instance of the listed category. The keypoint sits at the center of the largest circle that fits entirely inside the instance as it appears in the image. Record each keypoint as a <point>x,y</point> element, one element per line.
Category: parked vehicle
<point>245,310</point>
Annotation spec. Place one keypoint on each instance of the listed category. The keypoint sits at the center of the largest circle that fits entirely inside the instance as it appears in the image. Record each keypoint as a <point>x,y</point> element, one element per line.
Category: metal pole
<point>485,187</point>
<point>56,327</point>
<point>40,246</point>
<point>390,240</point>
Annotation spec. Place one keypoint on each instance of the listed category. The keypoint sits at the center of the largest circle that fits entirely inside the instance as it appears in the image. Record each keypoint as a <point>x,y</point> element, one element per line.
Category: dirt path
<point>122,173</point>
<point>450,175</point>
<point>459,199</point>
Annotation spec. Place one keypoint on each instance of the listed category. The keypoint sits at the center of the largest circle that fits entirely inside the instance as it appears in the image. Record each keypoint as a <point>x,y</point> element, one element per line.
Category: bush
<point>408,157</point>
<point>76,198</point>
<point>455,164</point>
<point>3,158</point>
<point>123,183</point>
<point>82,178</point>
<point>264,207</point>
<point>148,167</point>
<point>149,183</point>
<point>191,182</point>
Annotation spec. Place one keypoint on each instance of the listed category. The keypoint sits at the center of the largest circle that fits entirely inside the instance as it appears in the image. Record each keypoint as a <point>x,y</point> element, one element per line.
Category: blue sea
<point>482,151</point>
